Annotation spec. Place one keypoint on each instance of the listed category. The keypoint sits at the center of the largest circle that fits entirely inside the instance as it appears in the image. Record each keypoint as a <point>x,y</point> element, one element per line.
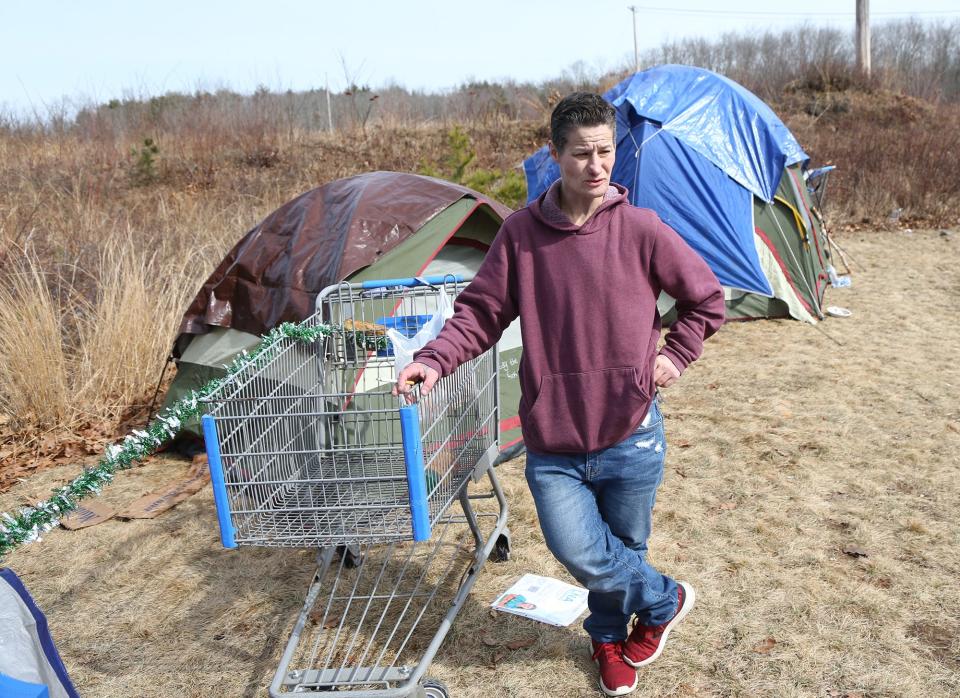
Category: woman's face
<point>586,162</point>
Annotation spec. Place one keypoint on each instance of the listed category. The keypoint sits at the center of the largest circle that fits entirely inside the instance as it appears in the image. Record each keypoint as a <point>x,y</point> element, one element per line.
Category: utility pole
<point>329,111</point>
<point>636,53</point>
<point>863,38</point>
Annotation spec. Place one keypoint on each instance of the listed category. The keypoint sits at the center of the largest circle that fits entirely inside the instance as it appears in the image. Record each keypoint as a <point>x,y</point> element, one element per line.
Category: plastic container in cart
<point>407,325</point>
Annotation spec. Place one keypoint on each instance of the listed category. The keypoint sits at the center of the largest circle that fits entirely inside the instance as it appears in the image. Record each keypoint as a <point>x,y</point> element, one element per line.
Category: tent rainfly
<point>378,225</point>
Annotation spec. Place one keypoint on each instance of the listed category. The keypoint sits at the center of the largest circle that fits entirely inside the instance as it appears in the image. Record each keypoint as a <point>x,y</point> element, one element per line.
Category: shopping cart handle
<point>416,475</point>
<point>414,281</point>
<point>215,465</point>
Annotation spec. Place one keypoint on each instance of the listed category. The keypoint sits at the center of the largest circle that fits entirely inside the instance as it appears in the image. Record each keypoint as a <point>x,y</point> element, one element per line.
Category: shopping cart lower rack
<point>308,447</point>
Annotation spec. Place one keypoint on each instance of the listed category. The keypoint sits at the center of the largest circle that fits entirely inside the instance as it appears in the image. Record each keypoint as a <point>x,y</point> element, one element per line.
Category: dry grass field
<point>811,498</point>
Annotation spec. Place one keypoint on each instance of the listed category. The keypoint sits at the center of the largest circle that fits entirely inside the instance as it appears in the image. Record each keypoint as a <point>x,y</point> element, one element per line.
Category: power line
<point>760,13</point>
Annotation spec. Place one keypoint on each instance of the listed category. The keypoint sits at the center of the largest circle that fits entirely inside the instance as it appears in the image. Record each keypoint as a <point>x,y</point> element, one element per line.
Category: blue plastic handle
<point>409,282</point>
<point>227,531</point>
<point>416,475</point>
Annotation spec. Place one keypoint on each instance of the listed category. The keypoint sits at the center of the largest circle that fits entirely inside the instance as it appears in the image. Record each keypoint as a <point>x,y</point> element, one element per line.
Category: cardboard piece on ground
<point>87,515</point>
<point>151,505</point>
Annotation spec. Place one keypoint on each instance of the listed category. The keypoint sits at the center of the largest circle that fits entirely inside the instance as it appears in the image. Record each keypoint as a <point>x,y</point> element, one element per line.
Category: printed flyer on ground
<point>544,599</point>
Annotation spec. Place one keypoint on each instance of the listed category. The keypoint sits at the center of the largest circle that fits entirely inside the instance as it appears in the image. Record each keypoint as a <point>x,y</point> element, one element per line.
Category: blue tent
<point>696,148</point>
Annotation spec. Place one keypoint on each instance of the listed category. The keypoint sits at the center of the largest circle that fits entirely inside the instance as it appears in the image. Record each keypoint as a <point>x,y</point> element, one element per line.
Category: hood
<point>547,213</point>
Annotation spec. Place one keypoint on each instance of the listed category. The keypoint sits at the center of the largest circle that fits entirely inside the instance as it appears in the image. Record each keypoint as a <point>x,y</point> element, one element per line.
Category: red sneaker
<point>646,641</point>
<point>616,678</point>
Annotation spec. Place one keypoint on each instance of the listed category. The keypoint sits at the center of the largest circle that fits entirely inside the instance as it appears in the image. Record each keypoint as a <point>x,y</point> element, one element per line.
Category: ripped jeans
<point>596,513</point>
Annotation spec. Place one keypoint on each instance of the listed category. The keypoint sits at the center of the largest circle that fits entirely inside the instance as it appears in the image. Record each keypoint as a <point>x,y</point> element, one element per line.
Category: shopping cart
<point>309,448</point>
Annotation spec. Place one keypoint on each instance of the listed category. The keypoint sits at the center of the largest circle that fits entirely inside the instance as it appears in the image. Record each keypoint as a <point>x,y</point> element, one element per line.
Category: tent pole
<point>153,400</point>
<point>843,255</point>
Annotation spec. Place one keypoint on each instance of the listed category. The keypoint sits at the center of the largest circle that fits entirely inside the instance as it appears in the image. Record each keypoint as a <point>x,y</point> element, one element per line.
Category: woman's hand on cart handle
<point>411,375</point>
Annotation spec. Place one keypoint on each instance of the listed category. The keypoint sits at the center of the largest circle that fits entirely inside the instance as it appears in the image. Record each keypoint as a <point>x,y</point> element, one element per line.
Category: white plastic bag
<point>405,347</point>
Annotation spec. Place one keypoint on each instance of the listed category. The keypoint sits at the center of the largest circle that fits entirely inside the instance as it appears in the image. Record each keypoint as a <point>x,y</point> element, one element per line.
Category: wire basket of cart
<point>309,448</point>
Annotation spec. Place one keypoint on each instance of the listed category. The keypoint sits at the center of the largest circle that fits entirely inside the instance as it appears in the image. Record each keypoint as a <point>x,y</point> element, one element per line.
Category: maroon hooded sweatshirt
<point>587,301</point>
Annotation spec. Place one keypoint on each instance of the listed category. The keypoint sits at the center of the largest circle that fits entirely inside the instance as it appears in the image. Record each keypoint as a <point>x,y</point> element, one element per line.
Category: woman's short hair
<point>579,109</point>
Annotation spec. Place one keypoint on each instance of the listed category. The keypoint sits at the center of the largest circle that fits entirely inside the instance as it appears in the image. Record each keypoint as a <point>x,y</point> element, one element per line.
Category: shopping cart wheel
<point>433,688</point>
<point>501,549</point>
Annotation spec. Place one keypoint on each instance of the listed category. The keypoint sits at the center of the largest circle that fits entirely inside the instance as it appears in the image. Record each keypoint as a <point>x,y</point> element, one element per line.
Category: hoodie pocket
<point>577,412</point>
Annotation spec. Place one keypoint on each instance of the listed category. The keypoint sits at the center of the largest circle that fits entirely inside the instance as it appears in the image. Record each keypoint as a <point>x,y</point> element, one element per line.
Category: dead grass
<point>63,356</point>
<point>34,369</point>
<point>788,444</point>
<point>118,345</point>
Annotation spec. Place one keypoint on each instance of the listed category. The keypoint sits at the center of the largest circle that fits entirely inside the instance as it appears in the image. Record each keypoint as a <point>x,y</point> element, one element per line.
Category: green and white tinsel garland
<point>31,522</point>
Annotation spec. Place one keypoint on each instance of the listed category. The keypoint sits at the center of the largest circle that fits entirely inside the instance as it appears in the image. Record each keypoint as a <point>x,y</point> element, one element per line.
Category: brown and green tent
<point>378,225</point>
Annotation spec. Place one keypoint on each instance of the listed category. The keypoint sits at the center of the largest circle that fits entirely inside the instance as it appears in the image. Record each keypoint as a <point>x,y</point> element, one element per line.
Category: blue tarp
<point>695,147</point>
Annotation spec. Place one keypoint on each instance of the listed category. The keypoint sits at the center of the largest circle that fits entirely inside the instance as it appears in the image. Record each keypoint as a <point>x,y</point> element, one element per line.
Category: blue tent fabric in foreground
<point>29,663</point>
<point>695,147</point>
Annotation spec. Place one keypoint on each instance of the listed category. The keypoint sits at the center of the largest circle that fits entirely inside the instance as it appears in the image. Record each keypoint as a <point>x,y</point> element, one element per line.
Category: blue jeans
<point>596,512</point>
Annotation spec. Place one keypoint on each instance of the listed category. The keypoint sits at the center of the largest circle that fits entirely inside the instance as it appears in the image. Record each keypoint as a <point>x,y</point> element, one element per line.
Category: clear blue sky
<point>95,50</point>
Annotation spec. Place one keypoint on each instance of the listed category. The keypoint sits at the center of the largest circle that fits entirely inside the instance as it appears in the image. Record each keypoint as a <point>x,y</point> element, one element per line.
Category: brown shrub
<point>892,152</point>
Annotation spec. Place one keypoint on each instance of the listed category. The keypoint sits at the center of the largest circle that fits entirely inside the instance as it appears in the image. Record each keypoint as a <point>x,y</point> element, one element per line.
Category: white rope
<point>647,140</point>
<point>637,149</point>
